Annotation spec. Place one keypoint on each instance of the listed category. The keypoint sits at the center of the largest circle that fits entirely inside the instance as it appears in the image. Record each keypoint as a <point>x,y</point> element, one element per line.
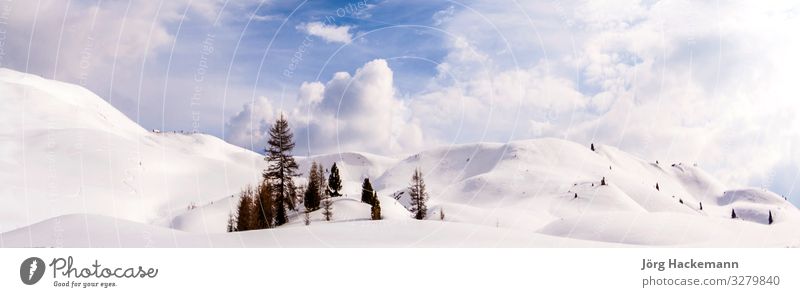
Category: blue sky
<point>679,81</point>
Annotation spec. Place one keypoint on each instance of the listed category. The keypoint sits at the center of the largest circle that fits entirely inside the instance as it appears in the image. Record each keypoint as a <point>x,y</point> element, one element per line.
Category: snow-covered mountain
<point>74,171</point>
<point>65,151</point>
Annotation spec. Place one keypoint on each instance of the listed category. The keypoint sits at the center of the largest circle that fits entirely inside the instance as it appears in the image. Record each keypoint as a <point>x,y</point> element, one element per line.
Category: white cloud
<point>361,113</point>
<point>249,127</point>
<point>443,15</point>
<point>311,93</point>
<point>329,33</point>
<point>358,112</point>
<point>678,80</point>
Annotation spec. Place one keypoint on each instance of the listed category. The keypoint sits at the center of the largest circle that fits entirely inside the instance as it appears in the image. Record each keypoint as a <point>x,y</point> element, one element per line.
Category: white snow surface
<point>76,172</point>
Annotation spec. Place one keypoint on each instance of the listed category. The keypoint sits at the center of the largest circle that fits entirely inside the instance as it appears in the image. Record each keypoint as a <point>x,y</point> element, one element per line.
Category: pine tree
<point>770,218</point>
<point>265,206</point>
<point>657,188</point>
<point>701,205</point>
<point>292,196</point>
<point>322,182</point>
<point>311,197</point>
<point>334,182</point>
<point>603,181</point>
<point>418,195</point>
<point>367,193</point>
<point>327,207</point>
<point>733,214</point>
<point>281,168</point>
<point>376,209</point>
<point>592,147</point>
<point>245,213</point>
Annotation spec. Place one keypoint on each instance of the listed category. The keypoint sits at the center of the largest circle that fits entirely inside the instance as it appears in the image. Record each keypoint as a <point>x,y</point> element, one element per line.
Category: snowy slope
<point>102,231</point>
<point>536,181</point>
<point>74,171</point>
<point>66,150</point>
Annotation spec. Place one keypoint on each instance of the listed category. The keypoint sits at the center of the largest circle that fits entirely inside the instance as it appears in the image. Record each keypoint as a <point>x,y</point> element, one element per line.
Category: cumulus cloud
<point>358,112</point>
<point>329,33</point>
<point>361,112</point>
<point>249,127</point>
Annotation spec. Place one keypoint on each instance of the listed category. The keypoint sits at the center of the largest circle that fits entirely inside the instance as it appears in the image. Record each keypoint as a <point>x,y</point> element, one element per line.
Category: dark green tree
<point>311,198</point>
<point>334,182</point>
<point>733,214</point>
<point>367,193</point>
<point>281,168</point>
<point>770,218</point>
<point>419,196</point>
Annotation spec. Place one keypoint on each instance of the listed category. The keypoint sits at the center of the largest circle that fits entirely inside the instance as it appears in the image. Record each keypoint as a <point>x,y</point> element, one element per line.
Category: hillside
<point>66,150</point>
<point>74,171</point>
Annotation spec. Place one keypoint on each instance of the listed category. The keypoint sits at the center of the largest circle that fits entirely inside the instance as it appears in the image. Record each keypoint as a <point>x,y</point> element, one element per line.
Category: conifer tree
<point>334,182</point>
<point>603,181</point>
<point>592,147</point>
<point>327,207</point>
<point>376,208</point>
<point>265,206</point>
<point>733,214</point>
<point>245,214</point>
<point>322,182</point>
<point>419,195</point>
<point>292,196</point>
<point>701,205</point>
<point>770,218</point>
<point>311,197</point>
<point>367,193</point>
<point>281,168</point>
<point>657,187</point>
